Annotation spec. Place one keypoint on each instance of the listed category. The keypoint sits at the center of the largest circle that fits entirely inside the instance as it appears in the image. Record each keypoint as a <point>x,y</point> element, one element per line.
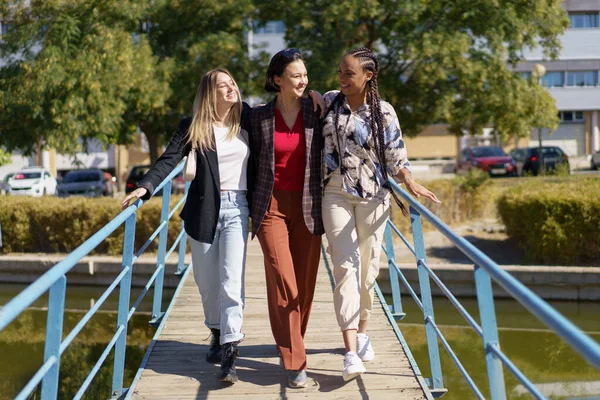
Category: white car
<point>32,181</point>
<point>596,160</point>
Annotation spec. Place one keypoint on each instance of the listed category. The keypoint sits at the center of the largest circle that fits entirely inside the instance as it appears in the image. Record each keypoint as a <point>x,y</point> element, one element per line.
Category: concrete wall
<point>93,270</point>
<point>550,283</point>
<point>433,142</point>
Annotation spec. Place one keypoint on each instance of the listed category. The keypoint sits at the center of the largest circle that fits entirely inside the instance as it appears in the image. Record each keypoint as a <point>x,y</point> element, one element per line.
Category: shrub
<point>55,225</point>
<point>555,220</point>
<point>463,198</point>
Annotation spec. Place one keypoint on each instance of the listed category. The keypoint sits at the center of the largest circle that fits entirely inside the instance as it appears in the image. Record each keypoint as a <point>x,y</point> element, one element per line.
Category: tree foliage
<point>441,60</point>
<point>81,69</point>
<point>99,69</point>
<point>73,70</point>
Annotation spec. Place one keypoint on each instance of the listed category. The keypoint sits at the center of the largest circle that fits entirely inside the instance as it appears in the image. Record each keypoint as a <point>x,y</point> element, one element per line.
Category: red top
<point>290,151</point>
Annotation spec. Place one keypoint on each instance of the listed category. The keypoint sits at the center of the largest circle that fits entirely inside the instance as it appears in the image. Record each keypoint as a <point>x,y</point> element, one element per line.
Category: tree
<point>193,39</point>
<point>4,158</point>
<point>73,70</point>
<point>441,60</point>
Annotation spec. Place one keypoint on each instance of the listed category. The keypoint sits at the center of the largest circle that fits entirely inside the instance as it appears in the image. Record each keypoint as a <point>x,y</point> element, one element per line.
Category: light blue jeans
<point>219,268</point>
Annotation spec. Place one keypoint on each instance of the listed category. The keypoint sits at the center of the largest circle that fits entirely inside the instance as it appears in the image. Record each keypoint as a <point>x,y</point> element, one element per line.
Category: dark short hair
<point>278,64</point>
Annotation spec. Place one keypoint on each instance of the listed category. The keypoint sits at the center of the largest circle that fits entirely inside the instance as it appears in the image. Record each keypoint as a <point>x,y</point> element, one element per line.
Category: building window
<point>553,79</point>
<point>582,78</point>
<point>269,27</point>
<point>525,74</point>
<point>571,116</point>
<point>4,28</point>
<point>585,20</point>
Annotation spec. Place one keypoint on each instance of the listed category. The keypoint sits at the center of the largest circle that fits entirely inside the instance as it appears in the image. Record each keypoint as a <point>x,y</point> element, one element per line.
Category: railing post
<point>437,382</point>
<point>124,296</point>
<point>183,241</point>
<point>394,284</point>
<point>162,250</point>
<point>487,314</point>
<point>54,328</point>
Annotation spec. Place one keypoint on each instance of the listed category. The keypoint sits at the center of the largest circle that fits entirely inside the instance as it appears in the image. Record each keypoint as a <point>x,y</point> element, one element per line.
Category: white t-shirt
<point>233,160</point>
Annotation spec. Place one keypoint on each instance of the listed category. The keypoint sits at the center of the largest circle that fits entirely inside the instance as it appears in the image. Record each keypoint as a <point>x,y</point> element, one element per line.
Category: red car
<point>491,159</point>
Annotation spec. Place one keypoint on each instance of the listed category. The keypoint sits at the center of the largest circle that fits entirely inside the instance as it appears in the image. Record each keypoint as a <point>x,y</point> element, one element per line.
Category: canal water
<point>540,354</point>
<point>22,342</point>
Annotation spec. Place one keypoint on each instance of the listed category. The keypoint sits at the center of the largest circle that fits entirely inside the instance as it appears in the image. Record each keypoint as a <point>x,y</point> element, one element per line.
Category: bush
<point>463,198</point>
<point>556,220</point>
<point>55,225</point>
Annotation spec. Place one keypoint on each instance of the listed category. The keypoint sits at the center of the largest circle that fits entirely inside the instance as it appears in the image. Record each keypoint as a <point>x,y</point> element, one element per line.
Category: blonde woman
<point>216,211</point>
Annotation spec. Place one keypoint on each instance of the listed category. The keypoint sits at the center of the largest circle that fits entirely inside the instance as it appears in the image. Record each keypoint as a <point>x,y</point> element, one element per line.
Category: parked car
<point>528,159</point>
<point>138,172</point>
<point>135,176</point>
<point>84,182</point>
<point>32,181</point>
<point>595,164</point>
<point>4,188</point>
<point>491,159</point>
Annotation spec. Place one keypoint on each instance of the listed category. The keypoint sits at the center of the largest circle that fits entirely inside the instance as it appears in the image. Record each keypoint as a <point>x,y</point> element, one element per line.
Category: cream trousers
<point>354,228</point>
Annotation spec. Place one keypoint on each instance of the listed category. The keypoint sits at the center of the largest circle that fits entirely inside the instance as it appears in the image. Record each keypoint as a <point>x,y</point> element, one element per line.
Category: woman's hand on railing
<point>136,194</point>
<point>415,189</point>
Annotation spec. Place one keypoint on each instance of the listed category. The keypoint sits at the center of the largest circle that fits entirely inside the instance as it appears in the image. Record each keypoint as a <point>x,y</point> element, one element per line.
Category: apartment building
<point>573,80</point>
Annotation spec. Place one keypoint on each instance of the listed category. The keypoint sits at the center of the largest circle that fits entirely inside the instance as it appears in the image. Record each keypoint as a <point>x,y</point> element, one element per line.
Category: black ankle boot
<point>214,351</point>
<point>230,353</point>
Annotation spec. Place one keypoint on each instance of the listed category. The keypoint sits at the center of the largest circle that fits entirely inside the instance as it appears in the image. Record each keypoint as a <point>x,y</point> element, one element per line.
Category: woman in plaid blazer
<point>286,204</point>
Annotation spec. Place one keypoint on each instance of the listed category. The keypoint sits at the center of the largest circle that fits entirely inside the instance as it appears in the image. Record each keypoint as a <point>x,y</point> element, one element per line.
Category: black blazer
<point>201,209</point>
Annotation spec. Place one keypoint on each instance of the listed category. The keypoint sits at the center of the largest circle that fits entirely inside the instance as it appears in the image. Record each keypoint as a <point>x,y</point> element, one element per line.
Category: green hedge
<point>55,225</point>
<point>556,221</point>
<point>463,198</point>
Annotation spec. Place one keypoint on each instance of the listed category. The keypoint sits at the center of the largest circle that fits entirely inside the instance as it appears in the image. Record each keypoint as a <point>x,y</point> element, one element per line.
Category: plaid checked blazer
<point>262,120</point>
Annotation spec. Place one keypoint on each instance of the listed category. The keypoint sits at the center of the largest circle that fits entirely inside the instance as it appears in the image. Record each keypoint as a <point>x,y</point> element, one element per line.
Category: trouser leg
<point>371,217</point>
<point>305,249</point>
<point>205,262</point>
<point>232,256</point>
<point>282,289</point>
<point>339,223</point>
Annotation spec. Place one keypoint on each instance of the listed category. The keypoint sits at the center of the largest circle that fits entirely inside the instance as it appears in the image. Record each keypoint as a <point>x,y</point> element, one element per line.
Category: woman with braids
<point>363,147</point>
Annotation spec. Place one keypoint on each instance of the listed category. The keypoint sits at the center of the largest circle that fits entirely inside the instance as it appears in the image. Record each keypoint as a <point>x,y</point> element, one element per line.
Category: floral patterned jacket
<point>361,169</point>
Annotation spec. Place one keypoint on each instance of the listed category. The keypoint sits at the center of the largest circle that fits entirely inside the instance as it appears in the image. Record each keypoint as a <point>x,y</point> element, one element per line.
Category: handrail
<point>484,271</point>
<point>54,281</point>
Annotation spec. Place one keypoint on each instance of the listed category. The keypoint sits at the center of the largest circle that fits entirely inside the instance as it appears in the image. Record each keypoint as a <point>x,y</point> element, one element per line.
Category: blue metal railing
<point>484,271</point>
<point>55,280</point>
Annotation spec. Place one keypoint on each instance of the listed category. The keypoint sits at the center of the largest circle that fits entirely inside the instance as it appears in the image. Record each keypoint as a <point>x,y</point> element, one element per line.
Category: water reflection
<point>541,355</point>
<point>22,342</point>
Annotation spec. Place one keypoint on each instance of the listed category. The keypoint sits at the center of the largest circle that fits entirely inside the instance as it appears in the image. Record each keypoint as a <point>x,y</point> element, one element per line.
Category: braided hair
<point>369,62</point>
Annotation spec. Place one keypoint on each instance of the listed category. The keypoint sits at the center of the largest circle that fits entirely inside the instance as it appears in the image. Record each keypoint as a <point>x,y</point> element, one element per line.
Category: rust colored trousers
<point>291,256</point>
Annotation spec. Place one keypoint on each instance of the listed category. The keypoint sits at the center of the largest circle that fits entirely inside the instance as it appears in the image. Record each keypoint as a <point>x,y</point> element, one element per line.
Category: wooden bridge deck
<point>177,369</point>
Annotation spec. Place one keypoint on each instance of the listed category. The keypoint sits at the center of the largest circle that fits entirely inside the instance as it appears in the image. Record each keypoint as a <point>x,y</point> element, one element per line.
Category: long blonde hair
<point>205,112</point>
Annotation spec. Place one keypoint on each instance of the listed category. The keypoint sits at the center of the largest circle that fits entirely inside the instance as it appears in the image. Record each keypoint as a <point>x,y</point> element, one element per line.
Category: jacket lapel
<point>307,115</point>
<point>213,163</point>
<point>268,129</point>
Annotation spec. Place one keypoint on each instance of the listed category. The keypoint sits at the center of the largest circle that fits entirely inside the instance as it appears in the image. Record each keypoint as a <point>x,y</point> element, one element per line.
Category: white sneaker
<point>364,348</point>
<point>353,366</point>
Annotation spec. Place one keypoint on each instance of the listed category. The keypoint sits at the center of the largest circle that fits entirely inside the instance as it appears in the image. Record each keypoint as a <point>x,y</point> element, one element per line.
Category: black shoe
<point>230,353</point>
<point>214,351</point>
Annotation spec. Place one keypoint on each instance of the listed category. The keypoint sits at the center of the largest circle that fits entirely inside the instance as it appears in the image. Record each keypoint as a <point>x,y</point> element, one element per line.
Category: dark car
<point>83,182</point>
<point>528,159</point>
<point>491,159</point>
<point>138,172</point>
